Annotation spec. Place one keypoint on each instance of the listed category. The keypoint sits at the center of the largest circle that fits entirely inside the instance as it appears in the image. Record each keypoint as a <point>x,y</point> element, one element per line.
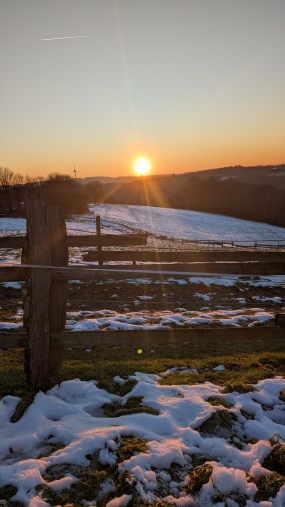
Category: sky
<point>95,84</point>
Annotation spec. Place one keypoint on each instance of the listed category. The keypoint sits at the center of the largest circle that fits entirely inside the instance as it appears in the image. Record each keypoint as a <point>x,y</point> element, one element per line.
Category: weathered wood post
<point>36,293</point>
<point>99,248</point>
<point>58,290</point>
<point>44,299</point>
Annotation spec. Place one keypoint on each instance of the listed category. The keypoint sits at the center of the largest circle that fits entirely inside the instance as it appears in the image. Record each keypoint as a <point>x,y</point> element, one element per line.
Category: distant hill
<point>252,193</point>
<point>117,179</point>
<point>258,175</point>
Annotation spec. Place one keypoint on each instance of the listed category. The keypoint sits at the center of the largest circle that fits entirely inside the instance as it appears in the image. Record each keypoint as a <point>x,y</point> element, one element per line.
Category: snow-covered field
<point>173,223</point>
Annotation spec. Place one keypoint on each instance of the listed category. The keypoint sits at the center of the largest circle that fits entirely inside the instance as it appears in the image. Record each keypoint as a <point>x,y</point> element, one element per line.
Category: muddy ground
<point>125,296</point>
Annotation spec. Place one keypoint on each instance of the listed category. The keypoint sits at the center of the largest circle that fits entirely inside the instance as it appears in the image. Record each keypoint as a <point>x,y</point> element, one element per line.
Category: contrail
<point>74,37</point>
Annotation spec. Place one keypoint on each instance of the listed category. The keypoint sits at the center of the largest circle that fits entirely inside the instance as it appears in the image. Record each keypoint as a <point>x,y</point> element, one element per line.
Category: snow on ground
<point>72,414</point>
<point>107,319</point>
<point>185,223</point>
<point>190,225</point>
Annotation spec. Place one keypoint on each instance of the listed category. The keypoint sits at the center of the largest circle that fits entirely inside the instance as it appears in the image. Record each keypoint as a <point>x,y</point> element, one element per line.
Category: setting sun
<point>142,166</point>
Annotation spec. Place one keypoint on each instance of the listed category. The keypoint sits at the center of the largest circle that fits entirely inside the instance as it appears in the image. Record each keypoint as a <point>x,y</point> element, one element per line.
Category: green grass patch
<point>248,363</point>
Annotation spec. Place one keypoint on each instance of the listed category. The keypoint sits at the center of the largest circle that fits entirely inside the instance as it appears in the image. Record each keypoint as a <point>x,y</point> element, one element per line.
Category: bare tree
<point>8,178</point>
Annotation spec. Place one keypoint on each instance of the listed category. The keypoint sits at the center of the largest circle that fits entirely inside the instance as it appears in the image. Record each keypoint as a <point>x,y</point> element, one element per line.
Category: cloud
<point>73,37</point>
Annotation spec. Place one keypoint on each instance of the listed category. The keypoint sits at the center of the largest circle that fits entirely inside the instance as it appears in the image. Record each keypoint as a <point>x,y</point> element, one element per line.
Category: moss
<point>269,486</point>
<point>199,476</point>
<point>216,402</point>
<point>133,406</point>
<point>220,424</point>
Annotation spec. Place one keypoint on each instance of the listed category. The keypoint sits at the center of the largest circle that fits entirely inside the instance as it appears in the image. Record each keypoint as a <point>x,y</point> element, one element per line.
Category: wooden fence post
<point>36,293</point>
<point>58,290</point>
<point>99,248</point>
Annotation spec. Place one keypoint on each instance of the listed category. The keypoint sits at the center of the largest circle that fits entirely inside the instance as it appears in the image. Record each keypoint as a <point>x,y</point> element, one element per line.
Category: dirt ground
<point>124,296</point>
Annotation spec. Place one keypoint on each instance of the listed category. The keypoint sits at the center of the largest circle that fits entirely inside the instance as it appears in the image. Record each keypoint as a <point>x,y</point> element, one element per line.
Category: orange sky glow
<point>189,85</point>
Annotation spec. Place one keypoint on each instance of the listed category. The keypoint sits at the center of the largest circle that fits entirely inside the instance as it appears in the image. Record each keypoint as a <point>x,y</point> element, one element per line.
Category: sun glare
<point>142,166</point>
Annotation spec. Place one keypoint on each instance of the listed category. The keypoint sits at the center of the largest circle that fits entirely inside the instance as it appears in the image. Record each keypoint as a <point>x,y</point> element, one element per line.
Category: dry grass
<point>199,476</point>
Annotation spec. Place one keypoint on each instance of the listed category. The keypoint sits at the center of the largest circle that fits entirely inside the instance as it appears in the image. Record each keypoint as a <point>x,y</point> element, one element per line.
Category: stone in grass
<point>220,425</point>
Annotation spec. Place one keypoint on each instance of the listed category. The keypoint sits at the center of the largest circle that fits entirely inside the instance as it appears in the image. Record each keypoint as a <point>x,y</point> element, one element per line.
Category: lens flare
<point>142,166</point>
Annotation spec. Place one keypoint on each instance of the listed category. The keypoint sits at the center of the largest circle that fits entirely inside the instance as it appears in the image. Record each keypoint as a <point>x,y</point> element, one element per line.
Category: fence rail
<point>141,338</point>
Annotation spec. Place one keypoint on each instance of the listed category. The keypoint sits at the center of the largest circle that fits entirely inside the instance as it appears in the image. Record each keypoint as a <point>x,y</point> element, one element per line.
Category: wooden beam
<point>12,273</point>
<point>171,270</point>
<point>187,256</point>
<point>141,338</point>
<point>106,240</point>
<point>12,242</point>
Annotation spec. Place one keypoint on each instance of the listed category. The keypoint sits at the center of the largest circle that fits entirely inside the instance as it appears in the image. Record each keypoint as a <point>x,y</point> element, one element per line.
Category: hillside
<point>252,193</point>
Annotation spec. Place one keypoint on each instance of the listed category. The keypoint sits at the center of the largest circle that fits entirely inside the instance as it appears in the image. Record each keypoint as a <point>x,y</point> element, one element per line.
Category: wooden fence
<point>45,273</point>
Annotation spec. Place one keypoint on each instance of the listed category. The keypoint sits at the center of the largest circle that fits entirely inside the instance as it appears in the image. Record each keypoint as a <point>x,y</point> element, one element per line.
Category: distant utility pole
<point>74,170</point>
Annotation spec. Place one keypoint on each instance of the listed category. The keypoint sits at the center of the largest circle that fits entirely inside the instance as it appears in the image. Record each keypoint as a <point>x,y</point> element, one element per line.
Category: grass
<point>198,476</point>
<point>252,362</point>
<point>133,406</point>
<point>91,479</point>
<point>275,460</point>
<point>216,402</point>
<point>220,424</point>
<point>269,486</point>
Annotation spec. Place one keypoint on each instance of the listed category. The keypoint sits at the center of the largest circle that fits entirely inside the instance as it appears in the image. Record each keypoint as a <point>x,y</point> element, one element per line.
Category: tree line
<point>226,196</point>
<point>57,190</point>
